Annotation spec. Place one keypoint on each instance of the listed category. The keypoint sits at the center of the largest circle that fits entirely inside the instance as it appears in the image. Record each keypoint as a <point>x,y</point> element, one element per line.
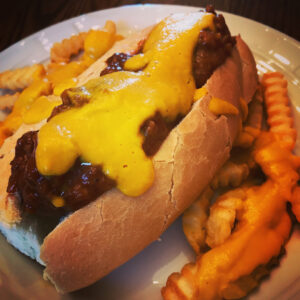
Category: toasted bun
<point>249,72</point>
<point>96,239</point>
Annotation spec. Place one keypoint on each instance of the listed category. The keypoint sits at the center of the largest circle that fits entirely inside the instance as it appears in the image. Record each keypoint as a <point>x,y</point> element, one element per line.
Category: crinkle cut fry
<point>194,220</point>
<point>252,125</point>
<point>21,78</point>
<point>195,217</point>
<point>223,215</point>
<point>264,221</point>
<point>6,106</point>
<point>277,105</point>
<point>61,52</point>
<point>280,119</point>
<point>231,174</point>
<point>7,101</point>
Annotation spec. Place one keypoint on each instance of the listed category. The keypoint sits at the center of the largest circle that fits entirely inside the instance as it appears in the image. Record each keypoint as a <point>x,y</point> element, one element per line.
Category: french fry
<point>277,105</point>
<point>250,131</point>
<point>7,102</point>
<point>22,104</point>
<point>21,78</point>
<point>110,27</point>
<point>93,42</point>
<point>231,174</point>
<point>194,221</point>
<point>6,105</point>
<point>241,287</point>
<point>97,42</point>
<point>223,215</point>
<point>62,52</point>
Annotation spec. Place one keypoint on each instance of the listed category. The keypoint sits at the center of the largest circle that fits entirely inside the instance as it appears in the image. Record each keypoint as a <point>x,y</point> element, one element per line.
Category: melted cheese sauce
<point>106,130</point>
<point>41,109</point>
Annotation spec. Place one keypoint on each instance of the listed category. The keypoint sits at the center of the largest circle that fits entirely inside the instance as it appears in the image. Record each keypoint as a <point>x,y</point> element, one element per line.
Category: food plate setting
<point>143,276</point>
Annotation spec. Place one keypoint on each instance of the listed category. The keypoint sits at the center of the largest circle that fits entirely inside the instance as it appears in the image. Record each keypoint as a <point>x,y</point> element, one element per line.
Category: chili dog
<point>86,238</point>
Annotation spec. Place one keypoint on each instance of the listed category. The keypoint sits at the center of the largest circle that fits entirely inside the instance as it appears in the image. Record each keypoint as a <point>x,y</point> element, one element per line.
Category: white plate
<point>143,276</point>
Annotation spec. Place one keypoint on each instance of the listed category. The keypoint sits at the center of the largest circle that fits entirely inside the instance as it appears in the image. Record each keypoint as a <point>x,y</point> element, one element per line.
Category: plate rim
<point>282,35</point>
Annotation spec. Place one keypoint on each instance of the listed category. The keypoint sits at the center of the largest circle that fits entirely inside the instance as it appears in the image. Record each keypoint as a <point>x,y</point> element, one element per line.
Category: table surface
<point>20,18</point>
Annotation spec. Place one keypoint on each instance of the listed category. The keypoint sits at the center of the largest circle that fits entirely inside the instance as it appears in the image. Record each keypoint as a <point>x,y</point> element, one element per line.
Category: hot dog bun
<point>96,239</point>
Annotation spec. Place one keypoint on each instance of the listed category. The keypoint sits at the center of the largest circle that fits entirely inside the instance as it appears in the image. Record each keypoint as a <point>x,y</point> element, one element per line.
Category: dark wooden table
<point>20,18</point>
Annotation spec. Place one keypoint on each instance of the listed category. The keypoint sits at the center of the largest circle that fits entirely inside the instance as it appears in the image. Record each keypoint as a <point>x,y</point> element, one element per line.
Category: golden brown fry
<point>6,105</point>
<point>21,78</point>
<point>231,174</point>
<point>61,52</point>
<point>194,220</point>
<point>110,27</point>
<point>195,217</point>
<point>23,104</point>
<point>279,112</point>
<point>253,123</point>
<point>97,42</point>
<point>181,286</point>
<point>222,216</point>
<point>241,287</point>
<point>7,102</point>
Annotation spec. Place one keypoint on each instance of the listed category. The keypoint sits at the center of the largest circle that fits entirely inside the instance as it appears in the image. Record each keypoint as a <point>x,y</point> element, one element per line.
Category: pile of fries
<point>32,92</point>
<point>239,236</point>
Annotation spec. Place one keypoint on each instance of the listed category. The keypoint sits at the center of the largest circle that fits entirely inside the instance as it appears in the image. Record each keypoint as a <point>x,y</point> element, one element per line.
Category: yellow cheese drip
<point>219,107</point>
<point>200,93</point>
<point>41,109</point>
<point>97,42</point>
<point>106,130</point>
